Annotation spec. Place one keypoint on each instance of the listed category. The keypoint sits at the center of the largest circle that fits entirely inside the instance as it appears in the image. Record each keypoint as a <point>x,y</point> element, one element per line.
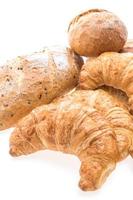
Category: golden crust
<point>32,80</point>
<point>75,20</point>
<point>93,125</point>
<point>111,69</point>
<point>96,31</point>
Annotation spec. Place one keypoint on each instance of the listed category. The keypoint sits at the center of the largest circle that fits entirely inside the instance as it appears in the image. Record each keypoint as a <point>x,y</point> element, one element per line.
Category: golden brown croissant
<point>111,69</point>
<point>36,79</point>
<point>116,93</point>
<point>93,125</point>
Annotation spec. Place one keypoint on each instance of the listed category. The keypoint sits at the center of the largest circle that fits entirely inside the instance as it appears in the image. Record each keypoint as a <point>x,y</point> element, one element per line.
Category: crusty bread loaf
<point>30,81</point>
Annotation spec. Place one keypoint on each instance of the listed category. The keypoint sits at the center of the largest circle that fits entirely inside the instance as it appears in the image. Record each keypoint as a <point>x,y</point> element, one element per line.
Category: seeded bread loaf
<point>30,81</point>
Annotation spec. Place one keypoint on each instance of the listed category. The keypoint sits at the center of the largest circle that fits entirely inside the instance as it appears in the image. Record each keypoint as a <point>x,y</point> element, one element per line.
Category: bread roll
<point>96,31</point>
<point>32,80</point>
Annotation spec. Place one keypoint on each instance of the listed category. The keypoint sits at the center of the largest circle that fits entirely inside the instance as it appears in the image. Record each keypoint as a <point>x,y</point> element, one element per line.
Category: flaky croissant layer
<point>93,125</point>
<point>111,69</point>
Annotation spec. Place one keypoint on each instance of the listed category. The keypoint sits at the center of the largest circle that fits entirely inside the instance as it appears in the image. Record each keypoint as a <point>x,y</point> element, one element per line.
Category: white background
<point>27,26</point>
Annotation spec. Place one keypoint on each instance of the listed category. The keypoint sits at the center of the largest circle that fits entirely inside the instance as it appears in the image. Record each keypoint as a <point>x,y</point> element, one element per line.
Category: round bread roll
<point>96,31</point>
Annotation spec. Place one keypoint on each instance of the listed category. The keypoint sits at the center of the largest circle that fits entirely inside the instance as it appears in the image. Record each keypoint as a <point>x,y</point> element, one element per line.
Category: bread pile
<point>57,102</point>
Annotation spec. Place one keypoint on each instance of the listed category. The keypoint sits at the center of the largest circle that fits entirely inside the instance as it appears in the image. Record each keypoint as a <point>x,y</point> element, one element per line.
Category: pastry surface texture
<point>111,69</point>
<point>93,125</point>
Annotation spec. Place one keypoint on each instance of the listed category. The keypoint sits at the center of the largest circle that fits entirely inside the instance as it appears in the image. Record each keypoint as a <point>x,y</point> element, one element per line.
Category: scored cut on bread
<point>32,80</point>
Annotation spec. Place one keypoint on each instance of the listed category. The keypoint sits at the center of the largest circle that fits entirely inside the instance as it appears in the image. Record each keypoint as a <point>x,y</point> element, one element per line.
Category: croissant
<point>32,80</point>
<point>116,93</point>
<point>111,69</point>
<point>93,125</point>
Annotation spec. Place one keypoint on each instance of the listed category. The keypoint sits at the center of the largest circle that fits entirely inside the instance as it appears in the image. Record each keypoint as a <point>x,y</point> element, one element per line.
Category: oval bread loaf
<point>30,81</point>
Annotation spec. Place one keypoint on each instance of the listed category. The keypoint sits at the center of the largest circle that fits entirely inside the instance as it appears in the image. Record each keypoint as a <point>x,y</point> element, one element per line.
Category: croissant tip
<point>12,152</point>
<point>87,186</point>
